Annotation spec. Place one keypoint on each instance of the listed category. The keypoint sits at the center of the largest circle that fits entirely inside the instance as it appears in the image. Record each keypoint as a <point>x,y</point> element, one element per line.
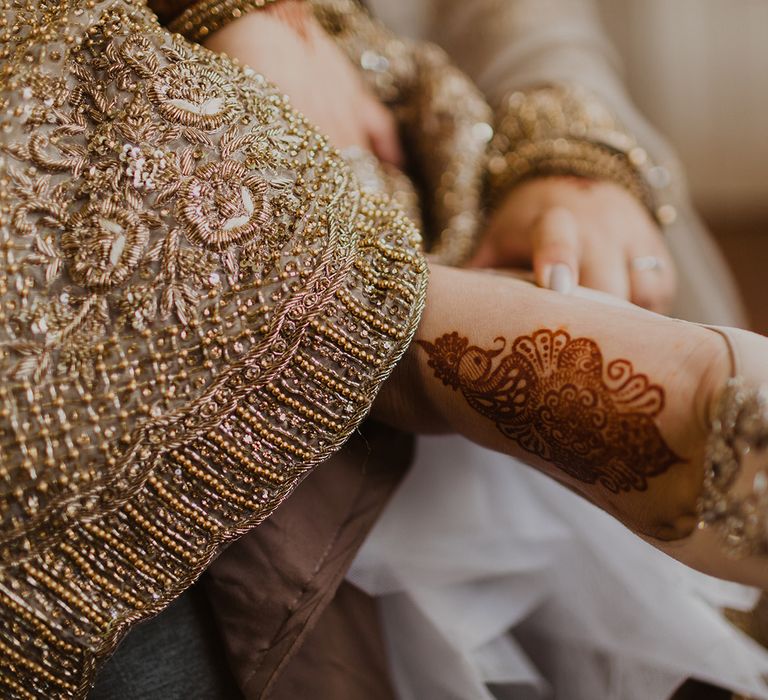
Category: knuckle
<point>654,296</point>
<point>645,301</point>
<point>557,252</point>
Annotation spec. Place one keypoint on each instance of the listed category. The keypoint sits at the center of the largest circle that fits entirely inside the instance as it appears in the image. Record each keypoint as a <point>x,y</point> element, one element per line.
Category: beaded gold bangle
<point>201,19</point>
<point>564,130</point>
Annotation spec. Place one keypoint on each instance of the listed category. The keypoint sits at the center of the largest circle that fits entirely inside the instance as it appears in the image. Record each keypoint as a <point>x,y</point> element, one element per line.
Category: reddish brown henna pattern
<point>553,396</point>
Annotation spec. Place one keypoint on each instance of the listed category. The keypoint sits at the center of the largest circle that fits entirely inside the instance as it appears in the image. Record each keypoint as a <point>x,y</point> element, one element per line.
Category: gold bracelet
<point>203,18</point>
<point>564,130</point>
<point>566,157</point>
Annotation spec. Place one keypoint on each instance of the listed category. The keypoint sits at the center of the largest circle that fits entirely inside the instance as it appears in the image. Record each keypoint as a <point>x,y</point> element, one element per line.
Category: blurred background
<point>699,70</point>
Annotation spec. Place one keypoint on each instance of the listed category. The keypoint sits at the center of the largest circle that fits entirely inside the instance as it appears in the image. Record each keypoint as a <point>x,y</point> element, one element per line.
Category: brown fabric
<point>271,587</point>
<point>166,10</point>
<point>696,690</point>
<point>342,657</point>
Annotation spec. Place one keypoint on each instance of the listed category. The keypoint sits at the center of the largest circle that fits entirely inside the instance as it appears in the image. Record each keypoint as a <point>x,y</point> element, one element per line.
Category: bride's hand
<point>285,43</point>
<point>615,403</point>
<point>591,233</point>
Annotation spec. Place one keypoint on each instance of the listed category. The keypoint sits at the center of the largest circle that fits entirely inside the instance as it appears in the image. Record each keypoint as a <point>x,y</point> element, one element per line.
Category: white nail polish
<point>546,277</point>
<point>561,279</point>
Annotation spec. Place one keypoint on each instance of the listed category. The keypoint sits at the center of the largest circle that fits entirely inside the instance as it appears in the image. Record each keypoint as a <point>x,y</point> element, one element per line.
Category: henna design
<point>552,395</point>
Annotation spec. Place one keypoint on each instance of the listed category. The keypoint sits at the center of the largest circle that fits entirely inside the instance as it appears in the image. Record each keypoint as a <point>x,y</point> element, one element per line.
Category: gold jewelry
<point>203,18</point>
<point>564,130</point>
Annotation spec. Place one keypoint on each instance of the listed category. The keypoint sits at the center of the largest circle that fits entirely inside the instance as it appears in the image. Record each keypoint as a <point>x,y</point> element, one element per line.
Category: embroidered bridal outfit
<point>200,301</point>
<point>199,306</point>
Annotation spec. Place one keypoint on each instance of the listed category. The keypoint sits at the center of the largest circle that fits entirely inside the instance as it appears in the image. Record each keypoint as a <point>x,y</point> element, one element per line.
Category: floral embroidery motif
<point>136,160</point>
<point>224,205</point>
<point>194,95</point>
<point>105,244</point>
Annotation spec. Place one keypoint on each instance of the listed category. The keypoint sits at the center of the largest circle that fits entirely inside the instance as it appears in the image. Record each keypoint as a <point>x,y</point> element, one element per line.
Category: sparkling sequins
<point>197,306</point>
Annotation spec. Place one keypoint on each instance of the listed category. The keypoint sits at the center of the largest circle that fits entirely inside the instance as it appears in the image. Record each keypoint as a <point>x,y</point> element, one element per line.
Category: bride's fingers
<point>607,273</point>
<point>485,255</point>
<point>652,279</point>
<point>382,131</point>
<point>556,250</point>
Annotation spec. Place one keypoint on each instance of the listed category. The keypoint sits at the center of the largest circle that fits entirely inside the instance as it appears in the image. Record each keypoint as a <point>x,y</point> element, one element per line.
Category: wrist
<point>564,131</point>
<point>203,18</point>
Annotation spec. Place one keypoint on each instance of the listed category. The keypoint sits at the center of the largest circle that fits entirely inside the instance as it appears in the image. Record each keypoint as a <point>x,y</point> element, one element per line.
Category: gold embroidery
<point>224,204</point>
<point>198,305</point>
<point>104,243</point>
<point>194,95</point>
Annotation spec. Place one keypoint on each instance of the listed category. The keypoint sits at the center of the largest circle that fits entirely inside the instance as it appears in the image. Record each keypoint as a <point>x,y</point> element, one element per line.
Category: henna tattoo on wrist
<point>554,396</point>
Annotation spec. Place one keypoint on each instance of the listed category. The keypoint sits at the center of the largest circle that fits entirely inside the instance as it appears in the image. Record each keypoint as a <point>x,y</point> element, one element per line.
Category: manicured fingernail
<point>561,279</point>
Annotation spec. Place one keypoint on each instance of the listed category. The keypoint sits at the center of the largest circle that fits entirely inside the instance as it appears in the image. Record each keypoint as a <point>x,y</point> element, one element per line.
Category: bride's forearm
<point>610,401</point>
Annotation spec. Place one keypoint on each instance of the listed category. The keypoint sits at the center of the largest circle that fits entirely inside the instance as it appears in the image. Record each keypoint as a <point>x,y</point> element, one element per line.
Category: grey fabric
<point>175,656</point>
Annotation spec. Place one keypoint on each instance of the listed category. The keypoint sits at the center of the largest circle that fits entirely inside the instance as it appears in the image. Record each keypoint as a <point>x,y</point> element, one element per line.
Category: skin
<point>558,398</point>
<point>593,228</point>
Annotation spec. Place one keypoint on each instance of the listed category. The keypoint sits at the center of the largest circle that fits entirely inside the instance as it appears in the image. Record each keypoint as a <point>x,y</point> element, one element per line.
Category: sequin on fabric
<point>198,305</point>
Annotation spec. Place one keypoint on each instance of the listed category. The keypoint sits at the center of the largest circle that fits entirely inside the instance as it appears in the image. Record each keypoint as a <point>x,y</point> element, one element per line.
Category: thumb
<point>556,250</point>
<point>382,132</point>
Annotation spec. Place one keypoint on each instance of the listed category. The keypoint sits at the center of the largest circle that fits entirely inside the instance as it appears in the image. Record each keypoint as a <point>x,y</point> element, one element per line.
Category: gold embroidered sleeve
<point>199,304</point>
<point>565,130</point>
<point>198,19</point>
<point>445,122</point>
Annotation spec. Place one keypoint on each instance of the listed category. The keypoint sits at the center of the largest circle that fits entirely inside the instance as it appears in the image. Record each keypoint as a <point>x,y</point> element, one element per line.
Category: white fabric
<point>493,579</point>
<point>490,573</point>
